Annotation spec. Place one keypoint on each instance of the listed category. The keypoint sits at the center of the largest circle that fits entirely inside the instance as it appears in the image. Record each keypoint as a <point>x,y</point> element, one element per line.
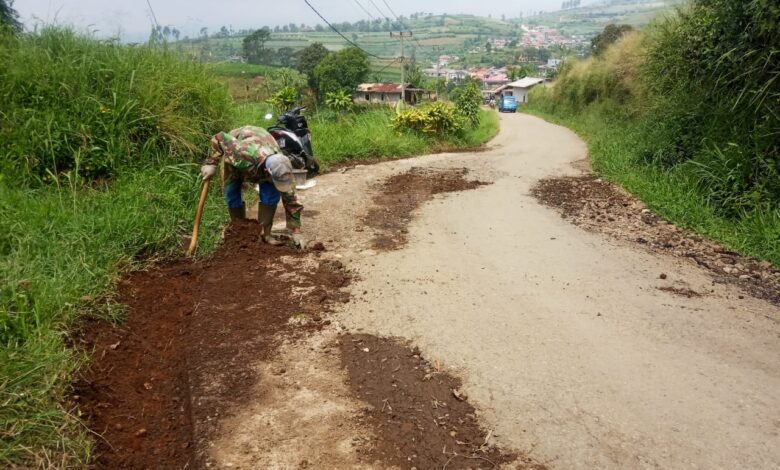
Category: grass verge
<point>63,251</point>
<point>367,135</point>
<point>675,194</point>
<point>96,177</point>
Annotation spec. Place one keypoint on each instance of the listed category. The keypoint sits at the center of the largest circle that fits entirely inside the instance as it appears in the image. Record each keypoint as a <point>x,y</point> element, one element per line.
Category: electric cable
<point>339,32</point>
<point>381,13</point>
<point>365,10</point>
<point>151,10</point>
<point>402,23</point>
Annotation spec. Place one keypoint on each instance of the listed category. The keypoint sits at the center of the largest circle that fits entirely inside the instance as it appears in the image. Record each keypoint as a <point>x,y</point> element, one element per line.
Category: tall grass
<point>73,105</point>
<point>96,139</point>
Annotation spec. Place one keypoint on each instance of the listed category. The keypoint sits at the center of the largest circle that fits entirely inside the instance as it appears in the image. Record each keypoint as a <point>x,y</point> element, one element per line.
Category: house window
<point>508,93</point>
<point>383,96</point>
<point>368,97</point>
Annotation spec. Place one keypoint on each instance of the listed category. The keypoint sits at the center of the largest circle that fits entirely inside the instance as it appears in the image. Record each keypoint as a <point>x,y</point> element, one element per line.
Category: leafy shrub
<point>338,101</point>
<point>283,99</point>
<point>608,36</point>
<point>468,100</point>
<point>437,118</point>
<point>342,70</point>
<point>74,106</point>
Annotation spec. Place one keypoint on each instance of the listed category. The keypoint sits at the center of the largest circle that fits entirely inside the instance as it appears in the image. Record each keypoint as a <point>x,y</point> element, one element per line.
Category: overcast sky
<point>132,19</point>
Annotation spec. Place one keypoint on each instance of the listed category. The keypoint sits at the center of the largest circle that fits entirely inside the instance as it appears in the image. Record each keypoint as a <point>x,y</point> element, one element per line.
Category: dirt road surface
<point>565,342</point>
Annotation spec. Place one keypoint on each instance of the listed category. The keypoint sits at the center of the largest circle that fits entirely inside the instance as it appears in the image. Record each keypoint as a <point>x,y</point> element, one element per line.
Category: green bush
<point>468,100</point>
<point>283,99</point>
<point>76,107</point>
<point>714,72</point>
<point>434,119</point>
<point>338,100</point>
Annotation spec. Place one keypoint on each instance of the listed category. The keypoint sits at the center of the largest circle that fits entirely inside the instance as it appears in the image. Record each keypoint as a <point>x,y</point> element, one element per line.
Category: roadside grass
<point>63,251</point>
<point>97,177</point>
<point>615,143</point>
<point>367,134</point>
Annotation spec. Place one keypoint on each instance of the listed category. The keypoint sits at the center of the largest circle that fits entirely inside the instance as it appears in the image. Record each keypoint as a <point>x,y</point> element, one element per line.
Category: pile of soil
<point>418,414</point>
<point>401,194</point>
<point>600,206</point>
<point>181,359</point>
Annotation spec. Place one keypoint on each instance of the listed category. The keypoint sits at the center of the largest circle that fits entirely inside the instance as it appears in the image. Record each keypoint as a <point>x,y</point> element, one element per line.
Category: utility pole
<point>402,35</point>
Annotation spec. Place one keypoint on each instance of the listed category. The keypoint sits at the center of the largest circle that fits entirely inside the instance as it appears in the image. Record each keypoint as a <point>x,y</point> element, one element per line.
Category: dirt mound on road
<point>600,206</point>
<point>420,417</point>
<point>164,383</point>
<point>401,194</point>
<point>159,381</point>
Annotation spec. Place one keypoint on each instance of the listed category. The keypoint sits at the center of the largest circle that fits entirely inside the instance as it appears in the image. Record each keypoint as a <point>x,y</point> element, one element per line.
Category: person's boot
<point>265,215</point>
<point>237,213</point>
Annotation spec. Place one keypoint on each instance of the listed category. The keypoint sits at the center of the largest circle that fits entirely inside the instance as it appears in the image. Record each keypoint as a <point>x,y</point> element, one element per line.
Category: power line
<point>387,66</point>
<point>381,13</point>
<point>402,23</point>
<point>154,17</point>
<point>391,10</point>
<point>337,31</point>
<point>365,10</point>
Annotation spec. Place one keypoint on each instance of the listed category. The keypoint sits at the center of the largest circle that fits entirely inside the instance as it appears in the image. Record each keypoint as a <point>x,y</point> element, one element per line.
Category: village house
<point>498,43</point>
<point>389,94</point>
<point>519,89</point>
<point>445,60</point>
<point>447,74</point>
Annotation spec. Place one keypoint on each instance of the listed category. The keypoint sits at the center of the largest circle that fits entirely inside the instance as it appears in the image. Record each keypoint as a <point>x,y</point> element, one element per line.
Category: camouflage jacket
<point>245,149</point>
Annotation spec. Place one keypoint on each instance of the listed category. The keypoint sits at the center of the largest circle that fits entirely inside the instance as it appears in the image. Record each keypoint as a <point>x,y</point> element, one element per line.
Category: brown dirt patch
<point>159,381</point>
<point>401,194</point>
<point>600,206</point>
<point>417,412</point>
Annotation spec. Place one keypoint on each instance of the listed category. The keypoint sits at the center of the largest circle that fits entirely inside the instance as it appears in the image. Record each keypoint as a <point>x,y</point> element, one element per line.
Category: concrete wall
<point>389,98</point>
<point>520,94</point>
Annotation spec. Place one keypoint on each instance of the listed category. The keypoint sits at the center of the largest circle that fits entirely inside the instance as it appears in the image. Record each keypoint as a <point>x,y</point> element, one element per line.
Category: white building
<point>519,89</point>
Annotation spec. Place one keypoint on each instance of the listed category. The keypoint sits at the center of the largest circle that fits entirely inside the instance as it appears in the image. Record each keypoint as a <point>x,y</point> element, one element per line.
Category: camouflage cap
<point>281,171</point>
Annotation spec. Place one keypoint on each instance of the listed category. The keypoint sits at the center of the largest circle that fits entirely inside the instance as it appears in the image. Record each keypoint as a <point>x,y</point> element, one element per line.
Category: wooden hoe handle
<point>196,228</point>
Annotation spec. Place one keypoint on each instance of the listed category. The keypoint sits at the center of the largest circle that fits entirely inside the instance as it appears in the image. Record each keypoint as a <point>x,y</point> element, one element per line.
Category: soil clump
<point>420,417</point>
<point>159,381</point>
<point>401,194</point>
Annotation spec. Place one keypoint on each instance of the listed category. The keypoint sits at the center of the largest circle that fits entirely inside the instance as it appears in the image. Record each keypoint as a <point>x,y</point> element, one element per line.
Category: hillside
<point>435,35</point>
<point>590,19</point>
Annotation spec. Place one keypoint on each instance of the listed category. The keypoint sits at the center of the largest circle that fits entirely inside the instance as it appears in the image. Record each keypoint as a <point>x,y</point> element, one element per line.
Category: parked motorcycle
<point>293,136</point>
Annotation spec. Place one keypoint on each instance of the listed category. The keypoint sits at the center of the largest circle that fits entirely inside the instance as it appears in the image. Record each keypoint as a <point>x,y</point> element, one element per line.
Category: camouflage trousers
<point>233,182</point>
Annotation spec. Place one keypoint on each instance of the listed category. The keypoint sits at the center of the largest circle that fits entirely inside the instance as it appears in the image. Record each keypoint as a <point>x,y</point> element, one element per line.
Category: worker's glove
<point>208,171</point>
<point>299,241</point>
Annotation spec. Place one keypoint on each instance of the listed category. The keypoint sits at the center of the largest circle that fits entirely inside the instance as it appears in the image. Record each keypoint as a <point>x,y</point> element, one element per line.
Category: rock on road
<point>564,342</point>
